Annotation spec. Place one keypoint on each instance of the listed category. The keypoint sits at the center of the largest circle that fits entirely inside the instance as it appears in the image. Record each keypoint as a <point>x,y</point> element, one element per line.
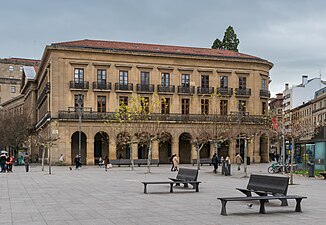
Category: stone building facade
<point>196,83</point>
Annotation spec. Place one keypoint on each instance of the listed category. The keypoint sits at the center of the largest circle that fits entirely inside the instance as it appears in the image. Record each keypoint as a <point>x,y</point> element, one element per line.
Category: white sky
<point>289,33</point>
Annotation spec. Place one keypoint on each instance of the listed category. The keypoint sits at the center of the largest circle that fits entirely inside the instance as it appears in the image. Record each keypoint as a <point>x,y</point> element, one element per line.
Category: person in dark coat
<point>26,161</point>
<point>215,162</point>
<point>171,160</point>
<point>3,158</point>
<point>106,162</point>
<point>77,161</point>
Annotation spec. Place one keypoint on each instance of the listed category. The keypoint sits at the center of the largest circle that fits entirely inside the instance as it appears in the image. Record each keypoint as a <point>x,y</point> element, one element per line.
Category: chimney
<point>286,86</point>
<point>304,80</point>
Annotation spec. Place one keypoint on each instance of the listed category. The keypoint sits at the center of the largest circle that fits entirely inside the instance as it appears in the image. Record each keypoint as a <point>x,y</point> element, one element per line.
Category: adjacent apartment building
<point>197,84</point>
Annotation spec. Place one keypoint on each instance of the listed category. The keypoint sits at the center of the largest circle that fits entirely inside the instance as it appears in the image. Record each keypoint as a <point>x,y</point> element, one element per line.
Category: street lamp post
<point>79,110</point>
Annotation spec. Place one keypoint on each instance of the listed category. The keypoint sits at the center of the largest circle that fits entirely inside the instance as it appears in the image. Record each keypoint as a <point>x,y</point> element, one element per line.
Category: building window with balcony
<point>185,106</point>
<point>224,107</point>
<point>264,108</point>
<point>101,77</point>
<point>204,106</point>
<point>123,101</point>
<point>205,81</point>
<point>77,100</point>
<point>224,81</point>
<point>79,76</point>
<point>101,103</point>
<point>242,83</point>
<point>165,106</point>
<point>165,79</point>
<point>13,89</point>
<point>185,80</point>
<point>264,85</point>
<point>242,104</point>
<point>123,77</point>
<point>144,78</point>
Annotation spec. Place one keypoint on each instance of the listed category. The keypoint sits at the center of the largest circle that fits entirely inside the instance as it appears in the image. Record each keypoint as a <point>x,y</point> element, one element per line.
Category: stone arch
<point>263,148</point>
<point>122,145</point>
<point>205,151</point>
<point>75,147</point>
<point>185,148</point>
<point>101,145</point>
<point>143,145</point>
<point>165,148</point>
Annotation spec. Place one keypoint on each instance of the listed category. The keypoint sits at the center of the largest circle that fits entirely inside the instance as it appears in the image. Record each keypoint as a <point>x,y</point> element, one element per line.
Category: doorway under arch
<point>123,148</point>
<point>101,146</point>
<point>185,148</point>
<point>165,149</point>
<point>75,147</point>
<point>205,151</point>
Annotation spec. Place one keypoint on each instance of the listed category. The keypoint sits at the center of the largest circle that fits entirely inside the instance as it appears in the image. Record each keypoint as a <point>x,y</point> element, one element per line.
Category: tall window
<point>145,105</point>
<point>101,103</point>
<point>204,106</point>
<point>165,106</point>
<point>123,101</point>
<point>242,82</point>
<point>144,78</point>
<point>79,101</point>
<point>224,107</point>
<point>242,105</point>
<point>79,75</point>
<point>264,84</point>
<point>264,108</point>
<point>13,89</point>
<point>165,79</point>
<point>101,76</point>
<point>185,80</point>
<point>123,77</point>
<point>185,106</point>
<point>224,82</point>
<point>205,81</point>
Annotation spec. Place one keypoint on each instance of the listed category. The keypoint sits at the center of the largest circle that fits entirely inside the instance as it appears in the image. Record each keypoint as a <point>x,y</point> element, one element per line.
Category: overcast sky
<point>290,34</point>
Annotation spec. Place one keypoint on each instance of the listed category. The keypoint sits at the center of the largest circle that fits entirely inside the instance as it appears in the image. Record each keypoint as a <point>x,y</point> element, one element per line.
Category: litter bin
<point>311,169</point>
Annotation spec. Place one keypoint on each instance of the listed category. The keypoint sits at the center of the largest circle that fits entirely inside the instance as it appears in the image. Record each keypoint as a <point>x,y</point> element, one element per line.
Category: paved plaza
<point>92,196</point>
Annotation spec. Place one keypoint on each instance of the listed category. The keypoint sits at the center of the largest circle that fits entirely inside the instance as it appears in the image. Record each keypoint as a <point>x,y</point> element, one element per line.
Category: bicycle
<point>278,168</point>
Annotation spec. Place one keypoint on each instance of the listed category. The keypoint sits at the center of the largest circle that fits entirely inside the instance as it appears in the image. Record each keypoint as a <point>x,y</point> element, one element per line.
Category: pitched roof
<point>154,48</point>
<point>20,61</point>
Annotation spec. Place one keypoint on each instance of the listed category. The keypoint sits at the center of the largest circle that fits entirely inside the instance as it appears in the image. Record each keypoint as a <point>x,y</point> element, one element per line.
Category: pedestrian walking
<point>26,161</point>
<point>3,159</point>
<point>61,159</point>
<point>175,163</point>
<point>171,160</point>
<point>106,162</point>
<point>227,165</point>
<point>238,160</point>
<point>215,162</point>
<point>77,162</point>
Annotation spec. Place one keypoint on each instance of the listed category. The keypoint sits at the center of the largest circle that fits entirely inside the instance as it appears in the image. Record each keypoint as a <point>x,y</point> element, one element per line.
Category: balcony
<point>244,92</point>
<point>166,89</point>
<point>79,85</point>
<point>178,118</point>
<point>264,94</point>
<point>186,90</point>
<point>42,96</point>
<point>205,90</point>
<point>101,86</point>
<point>224,91</point>
<point>123,87</point>
<point>145,88</point>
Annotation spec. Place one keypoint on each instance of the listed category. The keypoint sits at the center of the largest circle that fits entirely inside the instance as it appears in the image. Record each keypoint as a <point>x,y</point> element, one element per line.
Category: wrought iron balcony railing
<point>243,92</point>
<point>148,88</point>
<point>186,90</point>
<point>103,86</point>
<point>124,87</point>
<point>205,90</point>
<point>165,89</point>
<point>79,85</point>
<point>112,116</point>
<point>264,93</point>
<point>225,91</point>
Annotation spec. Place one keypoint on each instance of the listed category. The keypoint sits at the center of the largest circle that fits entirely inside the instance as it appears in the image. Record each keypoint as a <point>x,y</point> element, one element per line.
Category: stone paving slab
<point>92,196</point>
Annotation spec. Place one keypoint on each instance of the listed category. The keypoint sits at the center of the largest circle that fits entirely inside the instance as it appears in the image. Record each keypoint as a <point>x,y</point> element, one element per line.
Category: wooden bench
<point>264,185</point>
<point>262,200</point>
<point>323,174</point>
<point>140,162</point>
<point>202,161</point>
<point>186,176</point>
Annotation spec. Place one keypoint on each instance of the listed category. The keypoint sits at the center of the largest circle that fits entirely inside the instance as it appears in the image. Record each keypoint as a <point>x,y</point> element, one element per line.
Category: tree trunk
<point>292,161</point>
<point>149,156</point>
<point>131,158</point>
<point>43,156</point>
<point>198,155</point>
<point>50,155</point>
<point>245,158</point>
